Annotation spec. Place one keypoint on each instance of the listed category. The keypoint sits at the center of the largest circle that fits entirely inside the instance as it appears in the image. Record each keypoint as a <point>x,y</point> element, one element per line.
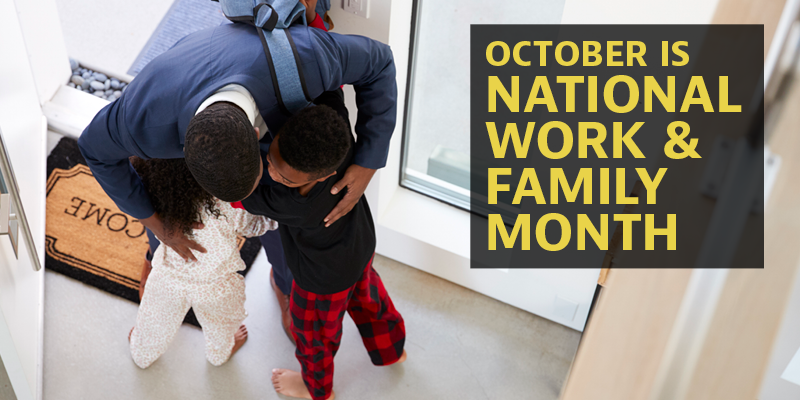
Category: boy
<point>332,266</point>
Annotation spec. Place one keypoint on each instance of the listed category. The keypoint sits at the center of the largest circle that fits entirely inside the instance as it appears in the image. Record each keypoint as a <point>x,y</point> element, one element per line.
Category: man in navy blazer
<point>151,118</point>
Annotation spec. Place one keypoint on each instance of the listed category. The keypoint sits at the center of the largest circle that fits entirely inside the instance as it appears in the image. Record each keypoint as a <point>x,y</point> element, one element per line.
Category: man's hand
<point>356,179</point>
<point>310,5</point>
<point>175,240</point>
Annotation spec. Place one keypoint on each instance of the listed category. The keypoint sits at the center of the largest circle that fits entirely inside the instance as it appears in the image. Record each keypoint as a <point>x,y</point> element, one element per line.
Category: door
<point>34,65</point>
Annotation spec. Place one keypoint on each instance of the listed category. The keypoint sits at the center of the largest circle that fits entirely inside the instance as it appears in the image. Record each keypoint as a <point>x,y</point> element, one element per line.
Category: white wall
<point>639,11</point>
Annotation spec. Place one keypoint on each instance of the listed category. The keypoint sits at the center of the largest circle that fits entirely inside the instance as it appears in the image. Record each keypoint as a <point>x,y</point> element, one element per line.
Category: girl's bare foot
<point>146,268</point>
<point>290,383</point>
<point>130,333</point>
<point>239,338</point>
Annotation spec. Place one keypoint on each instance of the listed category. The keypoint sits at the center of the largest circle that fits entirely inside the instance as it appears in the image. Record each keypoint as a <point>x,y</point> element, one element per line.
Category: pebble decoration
<point>95,83</point>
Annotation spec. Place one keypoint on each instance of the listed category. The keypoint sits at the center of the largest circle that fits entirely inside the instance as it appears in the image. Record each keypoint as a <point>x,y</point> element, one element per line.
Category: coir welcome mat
<point>89,239</point>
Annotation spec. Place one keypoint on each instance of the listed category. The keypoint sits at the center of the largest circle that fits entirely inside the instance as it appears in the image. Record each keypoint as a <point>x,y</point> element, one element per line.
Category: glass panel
<point>436,137</point>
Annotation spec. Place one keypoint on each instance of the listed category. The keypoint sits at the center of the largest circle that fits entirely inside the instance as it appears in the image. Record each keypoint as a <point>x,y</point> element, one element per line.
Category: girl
<point>211,285</point>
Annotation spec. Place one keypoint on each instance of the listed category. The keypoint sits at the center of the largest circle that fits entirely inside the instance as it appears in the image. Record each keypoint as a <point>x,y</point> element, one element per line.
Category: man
<point>227,65</point>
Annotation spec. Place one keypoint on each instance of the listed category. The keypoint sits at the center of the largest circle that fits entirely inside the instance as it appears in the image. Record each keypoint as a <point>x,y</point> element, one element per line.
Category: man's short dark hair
<point>315,141</point>
<point>221,151</point>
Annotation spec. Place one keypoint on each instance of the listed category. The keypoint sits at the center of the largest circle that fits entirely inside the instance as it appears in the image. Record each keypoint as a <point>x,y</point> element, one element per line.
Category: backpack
<point>271,19</point>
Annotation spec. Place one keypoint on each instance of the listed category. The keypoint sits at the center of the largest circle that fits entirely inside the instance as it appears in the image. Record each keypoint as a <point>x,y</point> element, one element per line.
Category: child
<point>211,285</point>
<point>332,266</point>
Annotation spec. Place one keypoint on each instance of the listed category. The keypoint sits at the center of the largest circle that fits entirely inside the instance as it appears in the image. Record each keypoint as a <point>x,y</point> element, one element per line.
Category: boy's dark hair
<point>176,196</point>
<point>315,141</point>
<point>221,151</point>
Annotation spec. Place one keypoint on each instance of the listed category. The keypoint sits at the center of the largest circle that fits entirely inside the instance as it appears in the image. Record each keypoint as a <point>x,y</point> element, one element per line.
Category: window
<point>436,127</point>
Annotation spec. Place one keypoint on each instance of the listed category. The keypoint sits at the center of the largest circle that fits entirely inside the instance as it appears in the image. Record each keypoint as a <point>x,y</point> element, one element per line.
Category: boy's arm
<point>266,200</point>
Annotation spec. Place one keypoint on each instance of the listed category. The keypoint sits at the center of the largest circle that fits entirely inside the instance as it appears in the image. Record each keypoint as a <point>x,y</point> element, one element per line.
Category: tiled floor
<point>461,346</point>
<point>6,391</point>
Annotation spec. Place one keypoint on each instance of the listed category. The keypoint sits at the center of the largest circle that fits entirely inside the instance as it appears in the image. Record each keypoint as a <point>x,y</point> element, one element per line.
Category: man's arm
<point>369,66</point>
<point>108,160</point>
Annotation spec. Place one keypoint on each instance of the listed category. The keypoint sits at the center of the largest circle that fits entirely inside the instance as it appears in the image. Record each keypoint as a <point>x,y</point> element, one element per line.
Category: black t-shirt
<point>322,260</point>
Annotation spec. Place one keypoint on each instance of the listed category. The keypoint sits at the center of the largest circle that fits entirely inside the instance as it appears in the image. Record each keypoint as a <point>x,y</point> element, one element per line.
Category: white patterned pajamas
<point>219,308</point>
<point>210,286</point>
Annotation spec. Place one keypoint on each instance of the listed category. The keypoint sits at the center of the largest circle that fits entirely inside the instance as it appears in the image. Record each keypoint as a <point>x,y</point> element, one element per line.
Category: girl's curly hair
<point>176,196</point>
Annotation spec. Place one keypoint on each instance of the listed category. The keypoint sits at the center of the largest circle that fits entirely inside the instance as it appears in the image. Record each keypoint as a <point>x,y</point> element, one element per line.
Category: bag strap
<point>284,65</point>
<point>271,19</point>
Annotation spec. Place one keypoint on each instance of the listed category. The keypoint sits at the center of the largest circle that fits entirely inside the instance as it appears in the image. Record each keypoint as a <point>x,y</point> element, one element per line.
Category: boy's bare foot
<point>402,358</point>
<point>239,338</point>
<point>290,383</point>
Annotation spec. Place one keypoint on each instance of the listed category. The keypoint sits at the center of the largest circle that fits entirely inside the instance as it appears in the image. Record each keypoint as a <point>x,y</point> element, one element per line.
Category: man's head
<point>221,151</point>
<point>309,147</point>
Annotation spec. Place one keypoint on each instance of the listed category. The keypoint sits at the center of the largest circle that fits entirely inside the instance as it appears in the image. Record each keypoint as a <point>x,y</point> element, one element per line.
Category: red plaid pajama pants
<point>317,328</point>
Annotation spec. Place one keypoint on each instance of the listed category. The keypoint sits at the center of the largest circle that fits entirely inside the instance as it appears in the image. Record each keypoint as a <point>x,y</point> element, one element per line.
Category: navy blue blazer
<point>149,120</point>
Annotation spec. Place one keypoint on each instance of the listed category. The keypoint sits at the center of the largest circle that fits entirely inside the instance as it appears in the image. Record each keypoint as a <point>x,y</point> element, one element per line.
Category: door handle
<point>12,213</point>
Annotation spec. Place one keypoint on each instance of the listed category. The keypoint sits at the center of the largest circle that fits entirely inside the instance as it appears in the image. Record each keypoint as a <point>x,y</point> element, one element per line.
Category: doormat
<point>183,18</point>
<point>89,239</point>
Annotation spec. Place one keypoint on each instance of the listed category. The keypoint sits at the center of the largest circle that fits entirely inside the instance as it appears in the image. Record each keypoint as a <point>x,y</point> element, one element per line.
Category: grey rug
<point>183,18</point>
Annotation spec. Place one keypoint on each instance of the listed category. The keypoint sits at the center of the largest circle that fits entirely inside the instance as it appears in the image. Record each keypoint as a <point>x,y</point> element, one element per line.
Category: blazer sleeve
<point>108,159</point>
<point>368,65</point>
